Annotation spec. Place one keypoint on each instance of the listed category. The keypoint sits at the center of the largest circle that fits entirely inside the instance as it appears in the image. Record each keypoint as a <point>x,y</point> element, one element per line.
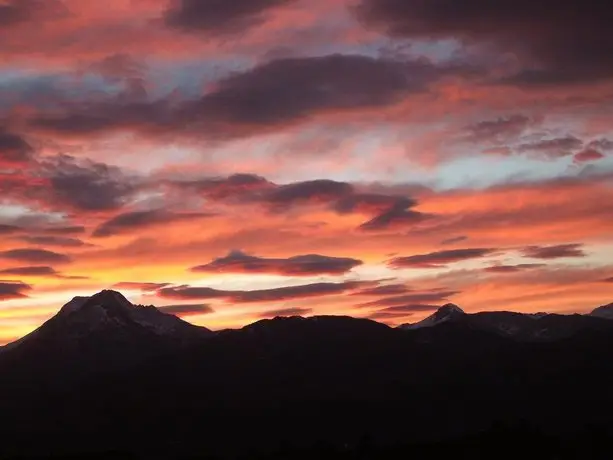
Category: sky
<point>233,161</point>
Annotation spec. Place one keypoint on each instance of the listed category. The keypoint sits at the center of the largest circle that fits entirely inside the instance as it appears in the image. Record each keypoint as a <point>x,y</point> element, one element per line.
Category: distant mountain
<point>446,313</point>
<point>519,326</point>
<point>605,312</point>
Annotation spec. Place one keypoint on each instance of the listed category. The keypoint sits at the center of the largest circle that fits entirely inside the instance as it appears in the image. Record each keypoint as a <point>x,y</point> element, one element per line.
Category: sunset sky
<point>236,160</point>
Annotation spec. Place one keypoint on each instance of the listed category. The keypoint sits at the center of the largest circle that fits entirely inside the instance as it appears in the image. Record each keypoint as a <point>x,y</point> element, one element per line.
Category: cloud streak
<point>304,265</point>
<point>440,259</point>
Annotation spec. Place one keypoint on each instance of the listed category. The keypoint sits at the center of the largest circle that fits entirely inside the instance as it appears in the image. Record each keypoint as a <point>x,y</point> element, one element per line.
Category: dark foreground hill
<point>291,385</point>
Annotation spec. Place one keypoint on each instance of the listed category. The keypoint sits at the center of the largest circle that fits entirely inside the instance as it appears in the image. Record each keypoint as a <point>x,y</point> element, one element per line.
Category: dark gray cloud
<point>411,299</point>
<point>220,17</point>
<point>15,12</point>
<point>309,192</point>
<point>70,230</point>
<point>594,151</point>
<point>187,309</point>
<point>35,256</point>
<point>601,144</point>
<point>188,292</point>
<point>236,186</point>
<point>557,147</point>
<point>87,185</point>
<point>372,203</point>
<point>440,259</point>
<point>559,42</point>
<point>289,89</point>
<point>14,150</point>
<point>391,212</point>
<point>499,130</point>
<point>303,265</point>
<point>6,229</point>
<point>262,295</point>
<point>13,290</point>
<point>145,287</point>
<point>554,252</point>
<point>384,290</point>
<point>394,219</point>
<point>266,97</point>
<point>410,308</point>
<point>138,220</point>
<point>30,271</point>
<point>454,240</point>
<point>286,312</point>
<point>389,317</point>
<point>51,240</point>
<point>512,268</point>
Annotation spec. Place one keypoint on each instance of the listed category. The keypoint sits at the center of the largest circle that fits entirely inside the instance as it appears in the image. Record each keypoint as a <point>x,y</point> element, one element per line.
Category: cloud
<point>392,212</point>
<point>30,271</point>
<point>440,259</point>
<point>386,289</point>
<point>145,287</point>
<point>310,192</point>
<point>187,310</point>
<point>288,90</point>
<point>59,241</point>
<point>512,268</point>
<point>15,12</point>
<point>410,308</point>
<point>454,240</point>
<point>235,186</point>
<point>220,18</point>
<point>263,295</point>
<point>394,219</point>
<point>87,185</point>
<point>558,147</point>
<point>13,290</point>
<point>601,144</point>
<point>70,230</point>
<point>304,265</point>
<point>252,102</point>
<point>588,154</point>
<point>554,252</point>
<point>556,43</point>
<point>499,130</point>
<point>372,203</point>
<point>8,229</point>
<point>608,280</point>
<point>387,316</point>
<point>35,256</point>
<point>66,183</point>
<point>411,299</point>
<point>14,150</point>
<point>286,312</point>
<point>139,220</point>
<point>188,292</point>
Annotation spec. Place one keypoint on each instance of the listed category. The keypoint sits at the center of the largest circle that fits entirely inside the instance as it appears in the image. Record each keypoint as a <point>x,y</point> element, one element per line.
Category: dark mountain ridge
<point>295,381</point>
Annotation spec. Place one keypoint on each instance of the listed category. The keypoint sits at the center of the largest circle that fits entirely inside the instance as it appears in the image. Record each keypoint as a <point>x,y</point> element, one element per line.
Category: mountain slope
<point>604,312</point>
<point>97,333</point>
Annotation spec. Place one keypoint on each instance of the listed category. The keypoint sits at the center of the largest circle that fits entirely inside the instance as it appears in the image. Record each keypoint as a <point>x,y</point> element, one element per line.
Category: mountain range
<point>105,374</point>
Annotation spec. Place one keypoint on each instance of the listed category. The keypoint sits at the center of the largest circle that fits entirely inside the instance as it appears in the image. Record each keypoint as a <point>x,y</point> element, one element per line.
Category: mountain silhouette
<point>106,375</point>
<point>96,334</point>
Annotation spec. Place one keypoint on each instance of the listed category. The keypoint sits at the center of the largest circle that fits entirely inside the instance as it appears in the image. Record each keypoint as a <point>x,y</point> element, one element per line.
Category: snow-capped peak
<point>110,309</point>
<point>448,312</point>
<point>106,299</point>
<point>605,312</point>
